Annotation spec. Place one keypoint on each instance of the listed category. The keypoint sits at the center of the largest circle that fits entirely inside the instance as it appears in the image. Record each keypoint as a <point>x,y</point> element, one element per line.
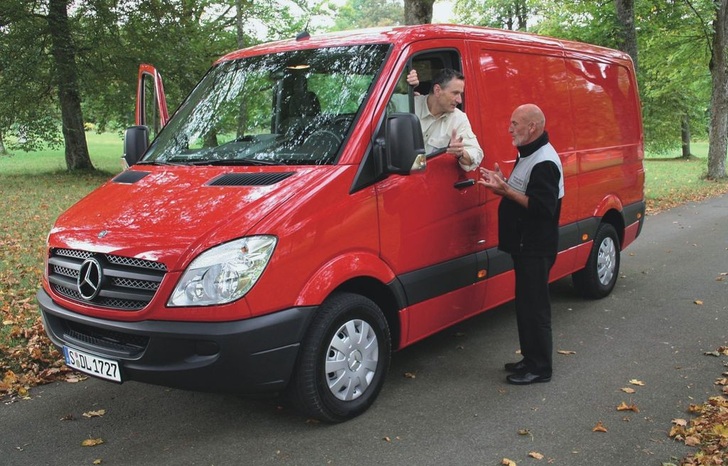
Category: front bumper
<point>250,356</point>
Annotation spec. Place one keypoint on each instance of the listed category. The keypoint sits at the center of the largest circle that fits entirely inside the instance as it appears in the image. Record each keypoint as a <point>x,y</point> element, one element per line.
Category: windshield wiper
<point>159,162</point>
<point>243,161</point>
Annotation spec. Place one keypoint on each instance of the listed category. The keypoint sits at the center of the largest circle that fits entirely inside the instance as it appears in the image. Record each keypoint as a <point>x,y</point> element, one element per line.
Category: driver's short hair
<point>445,75</point>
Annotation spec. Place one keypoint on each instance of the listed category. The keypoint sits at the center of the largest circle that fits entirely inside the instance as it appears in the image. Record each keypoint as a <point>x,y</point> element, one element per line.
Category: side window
<point>427,68</point>
<point>399,102</point>
<point>427,65</point>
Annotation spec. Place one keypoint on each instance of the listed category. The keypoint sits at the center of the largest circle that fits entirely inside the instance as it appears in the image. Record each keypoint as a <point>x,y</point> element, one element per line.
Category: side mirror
<point>136,141</point>
<point>404,144</point>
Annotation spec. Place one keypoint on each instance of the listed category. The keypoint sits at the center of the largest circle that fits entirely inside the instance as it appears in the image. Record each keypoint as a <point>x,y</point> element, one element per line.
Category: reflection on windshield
<point>287,108</point>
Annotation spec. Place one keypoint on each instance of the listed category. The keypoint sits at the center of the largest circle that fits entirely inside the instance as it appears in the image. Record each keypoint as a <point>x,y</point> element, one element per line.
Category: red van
<point>285,232</point>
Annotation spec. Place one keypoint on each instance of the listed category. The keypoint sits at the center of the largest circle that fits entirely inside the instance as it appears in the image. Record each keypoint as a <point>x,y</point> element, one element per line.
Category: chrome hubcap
<point>606,261</point>
<point>351,360</point>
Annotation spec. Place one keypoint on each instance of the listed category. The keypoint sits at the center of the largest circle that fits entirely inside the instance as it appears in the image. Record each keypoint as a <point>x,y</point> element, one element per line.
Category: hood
<point>167,213</point>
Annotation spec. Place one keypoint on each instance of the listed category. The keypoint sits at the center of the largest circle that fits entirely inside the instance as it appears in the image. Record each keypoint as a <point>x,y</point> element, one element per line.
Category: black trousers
<point>533,311</point>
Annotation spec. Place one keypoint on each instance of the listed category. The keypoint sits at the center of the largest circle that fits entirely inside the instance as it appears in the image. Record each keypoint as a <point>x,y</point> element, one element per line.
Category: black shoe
<point>527,378</point>
<point>516,366</point>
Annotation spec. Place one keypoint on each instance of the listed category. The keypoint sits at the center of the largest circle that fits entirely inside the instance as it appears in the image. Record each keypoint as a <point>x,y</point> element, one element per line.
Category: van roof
<point>403,35</point>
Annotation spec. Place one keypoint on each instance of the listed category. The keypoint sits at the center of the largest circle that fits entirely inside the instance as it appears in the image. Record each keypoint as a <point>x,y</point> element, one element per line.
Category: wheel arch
<point>610,211</point>
<point>360,273</point>
<point>616,219</point>
<point>383,296</point>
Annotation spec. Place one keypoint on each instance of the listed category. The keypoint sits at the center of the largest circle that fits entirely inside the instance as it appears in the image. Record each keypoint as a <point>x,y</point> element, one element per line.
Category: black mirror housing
<point>404,144</point>
<point>136,141</point>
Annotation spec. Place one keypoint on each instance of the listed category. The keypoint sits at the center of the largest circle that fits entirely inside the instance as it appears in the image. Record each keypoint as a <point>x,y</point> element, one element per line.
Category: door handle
<point>464,183</point>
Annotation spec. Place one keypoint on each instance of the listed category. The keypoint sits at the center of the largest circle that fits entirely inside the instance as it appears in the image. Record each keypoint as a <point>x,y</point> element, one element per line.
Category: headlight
<point>224,273</point>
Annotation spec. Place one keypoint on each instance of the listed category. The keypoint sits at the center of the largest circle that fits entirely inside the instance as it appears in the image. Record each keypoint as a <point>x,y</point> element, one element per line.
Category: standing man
<point>444,125</point>
<point>528,229</point>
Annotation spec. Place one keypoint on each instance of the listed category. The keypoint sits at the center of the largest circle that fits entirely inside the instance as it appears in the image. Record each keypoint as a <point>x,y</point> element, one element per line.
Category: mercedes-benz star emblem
<point>89,279</point>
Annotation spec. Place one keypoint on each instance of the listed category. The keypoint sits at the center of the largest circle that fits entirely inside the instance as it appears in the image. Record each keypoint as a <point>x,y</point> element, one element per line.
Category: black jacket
<point>533,231</point>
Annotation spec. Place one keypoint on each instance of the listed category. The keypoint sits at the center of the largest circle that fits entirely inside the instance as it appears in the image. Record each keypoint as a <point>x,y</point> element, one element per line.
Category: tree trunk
<point>64,56</point>
<point>418,11</point>
<point>718,143</point>
<point>522,15</point>
<point>627,39</point>
<point>3,150</point>
<point>685,136</point>
<point>241,6</point>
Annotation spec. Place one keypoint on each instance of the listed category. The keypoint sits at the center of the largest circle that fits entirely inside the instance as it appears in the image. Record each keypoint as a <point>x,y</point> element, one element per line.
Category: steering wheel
<point>323,138</point>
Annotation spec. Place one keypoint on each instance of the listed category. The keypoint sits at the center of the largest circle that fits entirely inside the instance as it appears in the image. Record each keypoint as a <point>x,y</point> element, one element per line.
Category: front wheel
<point>598,278</point>
<point>343,359</point>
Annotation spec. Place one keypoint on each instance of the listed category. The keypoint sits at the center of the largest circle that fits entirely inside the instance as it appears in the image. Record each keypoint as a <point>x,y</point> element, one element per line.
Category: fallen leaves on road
<point>90,414</point>
<point>507,462</point>
<point>628,407</point>
<point>31,359</point>
<point>566,352</point>
<point>721,351</point>
<point>709,430</point>
<point>92,442</point>
<point>637,382</point>
<point>599,427</point>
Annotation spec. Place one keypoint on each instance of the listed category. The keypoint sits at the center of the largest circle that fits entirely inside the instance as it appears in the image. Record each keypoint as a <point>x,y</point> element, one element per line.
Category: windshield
<point>292,108</point>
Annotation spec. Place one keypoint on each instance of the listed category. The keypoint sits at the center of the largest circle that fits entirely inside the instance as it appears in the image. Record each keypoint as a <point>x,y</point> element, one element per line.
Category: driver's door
<point>151,104</point>
<point>432,223</point>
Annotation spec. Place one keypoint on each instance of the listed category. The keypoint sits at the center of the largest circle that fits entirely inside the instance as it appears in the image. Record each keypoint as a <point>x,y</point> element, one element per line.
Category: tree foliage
<point>672,49</point>
<point>109,39</point>
<point>355,14</point>
<point>675,42</point>
<point>28,108</point>
<point>674,74</point>
<point>504,14</point>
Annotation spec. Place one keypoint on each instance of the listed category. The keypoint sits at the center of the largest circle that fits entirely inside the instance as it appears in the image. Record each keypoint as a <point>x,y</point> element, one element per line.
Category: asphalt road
<point>457,410</point>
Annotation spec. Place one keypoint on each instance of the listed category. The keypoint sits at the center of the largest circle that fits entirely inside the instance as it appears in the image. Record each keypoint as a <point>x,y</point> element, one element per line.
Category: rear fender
<point>610,202</point>
<point>611,211</point>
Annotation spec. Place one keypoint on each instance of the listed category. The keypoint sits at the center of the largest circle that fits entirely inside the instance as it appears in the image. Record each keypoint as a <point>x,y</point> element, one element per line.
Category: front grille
<point>128,283</point>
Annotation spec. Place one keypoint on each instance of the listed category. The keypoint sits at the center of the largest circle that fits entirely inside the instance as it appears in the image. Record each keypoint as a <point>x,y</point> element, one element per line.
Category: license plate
<point>90,364</point>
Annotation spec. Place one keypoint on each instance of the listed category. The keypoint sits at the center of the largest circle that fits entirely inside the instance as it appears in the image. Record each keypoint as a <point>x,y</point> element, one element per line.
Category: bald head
<point>527,124</point>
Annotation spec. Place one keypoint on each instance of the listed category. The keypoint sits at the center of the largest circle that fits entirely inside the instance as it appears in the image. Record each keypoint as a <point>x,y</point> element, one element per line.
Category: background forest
<point>66,66</point>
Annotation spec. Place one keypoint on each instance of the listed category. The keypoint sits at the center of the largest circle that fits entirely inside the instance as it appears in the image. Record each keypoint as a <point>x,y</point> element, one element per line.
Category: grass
<point>671,181</point>
<point>105,151</point>
<point>36,188</point>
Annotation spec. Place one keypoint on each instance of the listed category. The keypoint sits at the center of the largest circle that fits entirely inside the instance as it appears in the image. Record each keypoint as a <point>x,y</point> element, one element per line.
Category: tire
<point>343,359</point>
<point>597,279</point>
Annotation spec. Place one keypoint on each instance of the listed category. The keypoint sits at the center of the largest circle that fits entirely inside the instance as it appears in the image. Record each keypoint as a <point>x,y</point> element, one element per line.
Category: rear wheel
<point>343,359</point>
<point>598,278</point>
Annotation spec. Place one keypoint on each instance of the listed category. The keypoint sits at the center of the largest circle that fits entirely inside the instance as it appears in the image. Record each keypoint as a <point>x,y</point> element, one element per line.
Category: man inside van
<point>443,123</point>
<point>528,229</point>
